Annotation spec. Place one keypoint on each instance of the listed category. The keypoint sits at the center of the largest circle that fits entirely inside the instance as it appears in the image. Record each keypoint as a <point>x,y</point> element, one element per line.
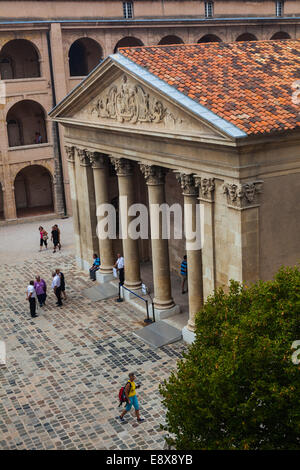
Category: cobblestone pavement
<point>64,368</point>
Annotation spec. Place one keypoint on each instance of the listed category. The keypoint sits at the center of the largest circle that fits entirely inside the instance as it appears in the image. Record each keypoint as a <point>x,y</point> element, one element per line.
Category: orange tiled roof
<point>249,84</point>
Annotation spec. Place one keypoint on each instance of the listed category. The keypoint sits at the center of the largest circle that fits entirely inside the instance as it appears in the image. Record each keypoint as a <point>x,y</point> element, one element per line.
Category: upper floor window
<point>128,9</point>
<point>208,6</point>
<point>279,8</point>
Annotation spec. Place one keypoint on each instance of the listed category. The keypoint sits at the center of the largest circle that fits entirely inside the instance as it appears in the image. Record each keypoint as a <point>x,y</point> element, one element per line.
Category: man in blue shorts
<point>131,398</point>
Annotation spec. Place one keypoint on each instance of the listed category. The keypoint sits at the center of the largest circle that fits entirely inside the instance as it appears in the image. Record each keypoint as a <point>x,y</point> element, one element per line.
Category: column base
<point>160,314</point>
<point>134,287</point>
<point>187,335</point>
<point>85,265</point>
<point>79,262</point>
<point>104,277</point>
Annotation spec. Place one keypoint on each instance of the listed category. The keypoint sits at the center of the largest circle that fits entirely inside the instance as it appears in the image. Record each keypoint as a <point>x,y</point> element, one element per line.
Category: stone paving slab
<point>59,389</point>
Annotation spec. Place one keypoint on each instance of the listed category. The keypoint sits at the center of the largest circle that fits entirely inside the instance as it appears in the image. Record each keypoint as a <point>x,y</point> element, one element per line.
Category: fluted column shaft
<point>100,173</point>
<point>155,179</point>
<point>124,170</point>
<point>193,248</point>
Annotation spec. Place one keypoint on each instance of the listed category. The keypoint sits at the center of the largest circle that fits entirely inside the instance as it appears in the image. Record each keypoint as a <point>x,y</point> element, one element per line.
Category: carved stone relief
<point>153,174</point>
<point>188,184</point>
<point>206,188</point>
<point>129,102</point>
<point>243,195</point>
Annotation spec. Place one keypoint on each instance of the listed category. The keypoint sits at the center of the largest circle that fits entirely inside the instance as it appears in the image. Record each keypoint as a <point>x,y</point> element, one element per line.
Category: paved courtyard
<point>64,368</point>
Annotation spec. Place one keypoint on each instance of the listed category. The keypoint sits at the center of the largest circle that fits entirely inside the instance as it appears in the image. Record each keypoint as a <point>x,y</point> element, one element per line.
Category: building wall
<point>47,92</point>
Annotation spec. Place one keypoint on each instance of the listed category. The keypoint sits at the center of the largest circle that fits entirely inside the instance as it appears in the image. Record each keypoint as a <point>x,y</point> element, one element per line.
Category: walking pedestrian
<point>62,282</point>
<point>31,295</point>
<point>40,287</point>
<point>54,237</point>
<point>58,233</point>
<point>43,238</point>
<point>131,398</point>
<point>94,267</point>
<point>56,288</point>
<point>119,265</point>
<point>183,272</point>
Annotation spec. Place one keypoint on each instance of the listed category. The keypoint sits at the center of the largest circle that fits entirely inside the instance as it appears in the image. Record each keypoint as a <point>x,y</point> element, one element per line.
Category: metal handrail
<point>147,320</point>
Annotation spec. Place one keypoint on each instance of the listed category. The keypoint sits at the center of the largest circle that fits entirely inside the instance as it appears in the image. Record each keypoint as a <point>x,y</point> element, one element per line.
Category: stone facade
<point>38,69</point>
<point>248,194</point>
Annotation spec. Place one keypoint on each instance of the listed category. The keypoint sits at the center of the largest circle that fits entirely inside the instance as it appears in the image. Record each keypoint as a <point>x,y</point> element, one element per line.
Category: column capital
<point>154,175</point>
<point>83,157</point>
<point>243,195</point>
<point>70,151</point>
<point>206,188</point>
<point>123,167</point>
<point>98,160</point>
<point>188,184</point>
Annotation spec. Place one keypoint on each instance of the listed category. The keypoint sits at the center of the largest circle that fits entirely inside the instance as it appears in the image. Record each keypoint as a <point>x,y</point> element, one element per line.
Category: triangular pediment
<point>116,99</point>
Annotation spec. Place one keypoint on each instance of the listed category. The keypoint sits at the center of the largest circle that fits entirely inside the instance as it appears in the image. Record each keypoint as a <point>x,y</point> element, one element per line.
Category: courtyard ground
<point>64,368</point>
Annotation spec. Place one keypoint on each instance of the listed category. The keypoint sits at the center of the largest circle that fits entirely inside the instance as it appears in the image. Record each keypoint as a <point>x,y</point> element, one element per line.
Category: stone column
<point>86,199</point>
<point>124,170</point>
<point>100,172</point>
<point>206,197</point>
<point>193,250</point>
<point>60,86</point>
<point>70,152</point>
<point>163,301</point>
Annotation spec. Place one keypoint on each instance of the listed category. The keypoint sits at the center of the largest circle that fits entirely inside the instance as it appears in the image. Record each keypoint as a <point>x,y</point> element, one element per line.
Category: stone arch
<point>209,38</point>
<point>171,39</point>
<point>246,37</point>
<point>19,58</point>
<point>24,120</point>
<point>281,35</point>
<point>1,202</point>
<point>33,187</point>
<point>84,55</point>
<point>128,41</point>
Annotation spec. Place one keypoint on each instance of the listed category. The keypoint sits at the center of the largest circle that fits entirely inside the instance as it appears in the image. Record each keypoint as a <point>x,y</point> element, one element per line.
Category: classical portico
<point>132,136</point>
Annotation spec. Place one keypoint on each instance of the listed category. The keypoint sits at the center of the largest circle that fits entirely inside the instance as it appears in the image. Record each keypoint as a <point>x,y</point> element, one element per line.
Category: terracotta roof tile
<point>247,83</point>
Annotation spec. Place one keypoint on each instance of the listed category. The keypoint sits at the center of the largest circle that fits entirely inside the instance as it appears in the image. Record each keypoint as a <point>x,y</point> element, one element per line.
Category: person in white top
<point>119,265</point>
<point>56,286</point>
<point>31,297</point>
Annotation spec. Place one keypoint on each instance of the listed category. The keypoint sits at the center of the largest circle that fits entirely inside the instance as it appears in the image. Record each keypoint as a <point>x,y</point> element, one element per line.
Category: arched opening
<point>84,55</point>
<point>26,124</point>
<point>167,40</point>
<point>1,203</point>
<point>33,191</point>
<point>128,42</point>
<point>281,35</point>
<point>19,59</point>
<point>246,37</point>
<point>209,38</point>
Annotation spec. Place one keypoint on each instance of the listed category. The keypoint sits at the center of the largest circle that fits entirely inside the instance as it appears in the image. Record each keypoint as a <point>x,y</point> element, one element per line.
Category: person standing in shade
<point>183,272</point>
<point>41,290</point>
<point>131,399</point>
<point>56,288</point>
<point>31,297</point>
<point>62,282</point>
<point>119,265</point>
<point>38,138</point>
<point>55,237</point>
<point>58,232</point>
<point>94,267</point>
<point>43,238</point>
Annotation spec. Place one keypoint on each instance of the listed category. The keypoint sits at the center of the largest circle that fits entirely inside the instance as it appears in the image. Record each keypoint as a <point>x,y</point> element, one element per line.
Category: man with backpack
<point>129,396</point>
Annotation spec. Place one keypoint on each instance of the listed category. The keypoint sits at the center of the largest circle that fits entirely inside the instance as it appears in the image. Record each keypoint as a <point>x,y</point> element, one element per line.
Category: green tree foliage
<point>237,387</point>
